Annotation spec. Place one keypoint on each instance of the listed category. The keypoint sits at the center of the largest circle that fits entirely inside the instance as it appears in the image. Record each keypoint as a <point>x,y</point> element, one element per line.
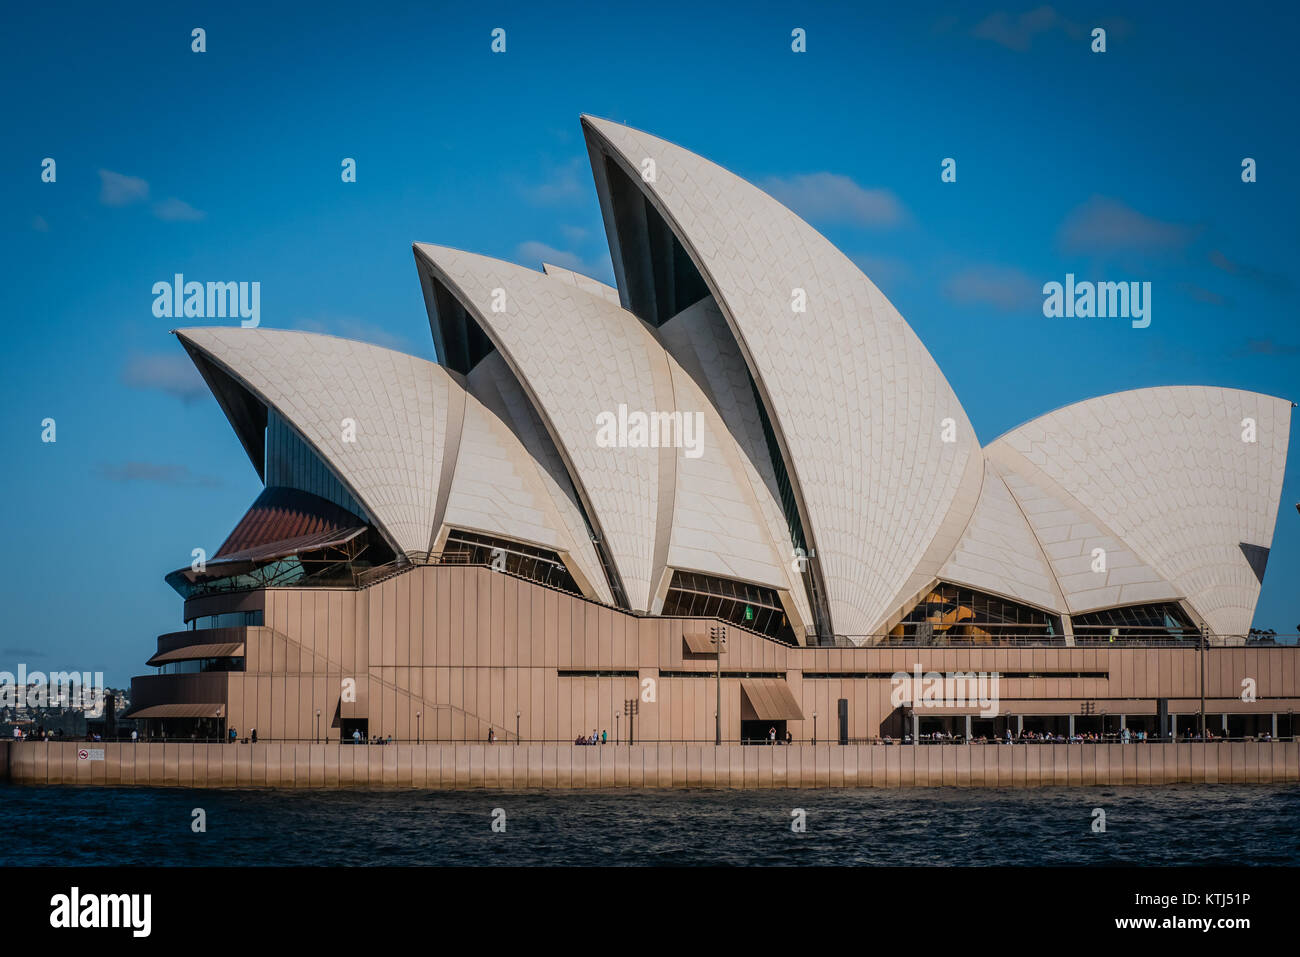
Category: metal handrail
<point>754,742</point>
<point>1141,640</point>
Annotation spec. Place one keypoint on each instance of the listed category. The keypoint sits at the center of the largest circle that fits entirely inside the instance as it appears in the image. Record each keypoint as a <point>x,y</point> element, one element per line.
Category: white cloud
<point>830,197</point>
<point>177,211</point>
<point>117,189</point>
<point>883,269</point>
<point>1017,33</point>
<point>1106,225</point>
<point>169,373</point>
<point>564,184</point>
<point>534,253</point>
<point>159,472</point>
<point>349,327</point>
<point>1002,287</point>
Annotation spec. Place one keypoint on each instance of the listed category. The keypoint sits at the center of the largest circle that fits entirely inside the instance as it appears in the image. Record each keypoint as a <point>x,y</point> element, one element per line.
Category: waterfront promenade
<point>562,766</point>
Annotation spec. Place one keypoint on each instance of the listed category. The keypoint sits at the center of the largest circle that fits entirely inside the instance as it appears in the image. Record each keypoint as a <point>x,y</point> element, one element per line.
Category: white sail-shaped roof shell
<point>402,435</point>
<point>1176,478</point>
<point>585,283</point>
<point>581,356</point>
<point>858,405</point>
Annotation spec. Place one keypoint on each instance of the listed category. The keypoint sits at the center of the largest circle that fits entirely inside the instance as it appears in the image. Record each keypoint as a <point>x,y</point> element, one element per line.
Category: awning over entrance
<point>230,649</point>
<point>178,711</point>
<point>699,643</point>
<point>771,699</point>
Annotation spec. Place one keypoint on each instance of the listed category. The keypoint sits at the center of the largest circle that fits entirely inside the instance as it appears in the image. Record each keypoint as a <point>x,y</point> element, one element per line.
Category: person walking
<point>603,736</point>
<point>771,735</point>
<point>135,735</point>
<point>356,736</point>
<point>255,736</point>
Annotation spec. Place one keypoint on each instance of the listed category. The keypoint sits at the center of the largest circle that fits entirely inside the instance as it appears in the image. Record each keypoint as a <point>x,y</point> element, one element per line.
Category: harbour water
<point>1172,825</point>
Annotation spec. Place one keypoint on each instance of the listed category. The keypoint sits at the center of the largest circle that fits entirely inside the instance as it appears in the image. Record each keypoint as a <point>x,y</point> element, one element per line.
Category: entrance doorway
<point>758,732</point>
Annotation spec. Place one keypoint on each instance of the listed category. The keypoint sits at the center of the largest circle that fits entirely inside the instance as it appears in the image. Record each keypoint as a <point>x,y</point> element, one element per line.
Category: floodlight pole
<point>718,635</point>
<point>631,707</point>
<point>1204,638</point>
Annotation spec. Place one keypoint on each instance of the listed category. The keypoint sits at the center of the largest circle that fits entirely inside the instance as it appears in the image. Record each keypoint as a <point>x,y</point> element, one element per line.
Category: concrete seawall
<point>465,766</point>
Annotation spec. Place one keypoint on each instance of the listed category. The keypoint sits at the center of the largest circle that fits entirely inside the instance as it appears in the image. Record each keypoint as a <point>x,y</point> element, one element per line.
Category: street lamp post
<point>814,740</point>
<point>318,725</point>
<point>617,715</point>
<point>419,727</point>
<point>631,706</point>
<point>1202,640</point>
<point>517,713</point>
<point>718,636</point>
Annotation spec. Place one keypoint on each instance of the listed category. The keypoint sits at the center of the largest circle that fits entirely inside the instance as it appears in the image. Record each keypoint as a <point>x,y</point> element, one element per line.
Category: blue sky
<point>225,166</point>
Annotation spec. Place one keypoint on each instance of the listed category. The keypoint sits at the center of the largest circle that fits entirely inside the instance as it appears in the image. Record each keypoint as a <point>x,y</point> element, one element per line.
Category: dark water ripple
<point>1176,825</point>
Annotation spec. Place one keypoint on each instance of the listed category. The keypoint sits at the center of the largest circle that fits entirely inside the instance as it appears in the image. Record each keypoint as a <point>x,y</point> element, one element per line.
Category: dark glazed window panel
<point>750,606</point>
<point>1155,620</point>
<point>526,561</point>
<point>954,613</point>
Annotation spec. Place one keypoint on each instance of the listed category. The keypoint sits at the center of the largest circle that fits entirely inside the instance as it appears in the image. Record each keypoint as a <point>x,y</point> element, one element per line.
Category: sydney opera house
<point>739,477</point>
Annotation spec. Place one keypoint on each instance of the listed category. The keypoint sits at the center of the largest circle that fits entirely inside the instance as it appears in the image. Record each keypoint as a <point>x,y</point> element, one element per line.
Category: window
<point>753,607</point>
<point>196,666</point>
<point>1158,620</point>
<point>953,614</point>
<point>230,619</point>
<point>525,561</point>
<point>290,462</point>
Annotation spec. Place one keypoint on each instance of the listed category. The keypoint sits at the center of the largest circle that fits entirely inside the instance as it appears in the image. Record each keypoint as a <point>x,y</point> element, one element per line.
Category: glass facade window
<point>526,561</point>
<point>230,619</point>
<point>1134,622</point>
<point>692,595</point>
<point>290,462</point>
<point>196,666</point>
<point>951,613</point>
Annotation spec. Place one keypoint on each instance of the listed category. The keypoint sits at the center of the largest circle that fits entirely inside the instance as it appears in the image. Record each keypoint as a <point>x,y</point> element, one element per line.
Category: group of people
<point>592,738</point>
<point>1125,736</point>
<point>42,734</point>
<point>358,738</point>
<point>46,734</point>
